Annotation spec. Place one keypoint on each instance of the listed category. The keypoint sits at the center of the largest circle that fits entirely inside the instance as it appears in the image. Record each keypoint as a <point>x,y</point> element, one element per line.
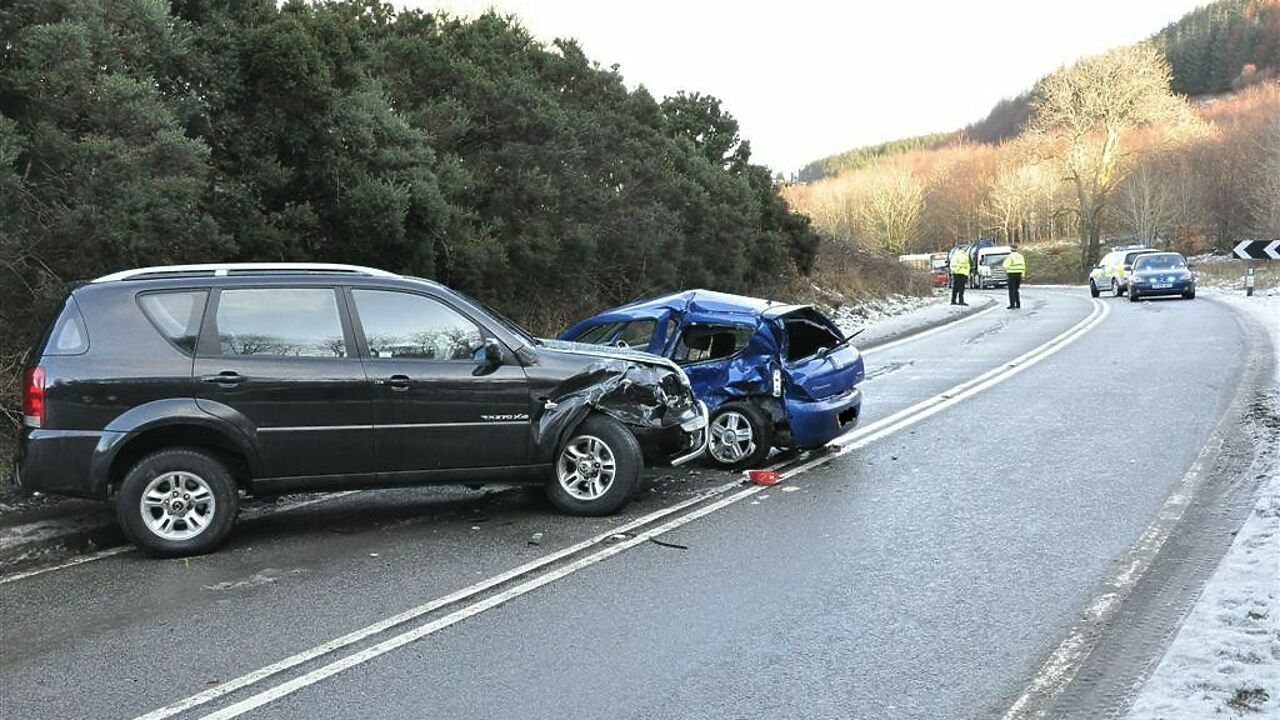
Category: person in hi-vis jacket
<point>959,263</point>
<point>1015,266</point>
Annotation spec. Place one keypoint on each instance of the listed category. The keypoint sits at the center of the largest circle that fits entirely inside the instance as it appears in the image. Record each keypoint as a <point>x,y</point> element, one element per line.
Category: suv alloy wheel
<point>177,502</point>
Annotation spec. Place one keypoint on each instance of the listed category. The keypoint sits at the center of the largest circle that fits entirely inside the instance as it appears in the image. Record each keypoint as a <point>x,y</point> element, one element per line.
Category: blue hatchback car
<point>772,375</point>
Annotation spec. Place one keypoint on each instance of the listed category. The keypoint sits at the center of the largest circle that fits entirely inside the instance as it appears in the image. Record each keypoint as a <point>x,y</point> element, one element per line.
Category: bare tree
<point>1020,201</point>
<point>1266,190</point>
<point>1082,116</point>
<point>1147,203</point>
<point>893,210</point>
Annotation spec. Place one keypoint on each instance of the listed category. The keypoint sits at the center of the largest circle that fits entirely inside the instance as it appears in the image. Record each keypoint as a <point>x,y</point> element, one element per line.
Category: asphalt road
<point>925,575</point>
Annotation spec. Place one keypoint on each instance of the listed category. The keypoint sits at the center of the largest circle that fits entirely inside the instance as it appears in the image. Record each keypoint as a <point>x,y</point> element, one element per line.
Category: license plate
<point>1162,286</point>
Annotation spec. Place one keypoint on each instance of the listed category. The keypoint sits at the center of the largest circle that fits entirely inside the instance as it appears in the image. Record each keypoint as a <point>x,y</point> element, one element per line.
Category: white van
<point>990,271</point>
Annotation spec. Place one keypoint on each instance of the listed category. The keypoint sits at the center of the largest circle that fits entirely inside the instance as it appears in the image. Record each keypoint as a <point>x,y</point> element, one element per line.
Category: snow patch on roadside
<point>858,314</point>
<point>1225,659</point>
<point>882,320</point>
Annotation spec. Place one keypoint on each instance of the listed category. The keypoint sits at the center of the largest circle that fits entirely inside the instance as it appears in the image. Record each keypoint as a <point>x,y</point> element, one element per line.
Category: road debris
<point>535,539</point>
<point>666,544</point>
<point>764,477</point>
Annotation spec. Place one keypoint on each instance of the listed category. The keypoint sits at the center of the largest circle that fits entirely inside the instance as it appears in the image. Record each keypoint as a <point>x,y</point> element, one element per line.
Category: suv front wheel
<point>597,470</point>
<point>177,502</point>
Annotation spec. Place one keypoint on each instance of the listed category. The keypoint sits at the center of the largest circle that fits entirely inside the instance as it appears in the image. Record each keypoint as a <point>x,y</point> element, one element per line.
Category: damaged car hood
<point>637,389</point>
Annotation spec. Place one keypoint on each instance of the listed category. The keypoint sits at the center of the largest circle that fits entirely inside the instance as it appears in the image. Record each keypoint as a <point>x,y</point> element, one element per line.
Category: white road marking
<point>109,552</point>
<point>1067,658</point>
<point>931,331</point>
<point>427,607</point>
<point>857,439</point>
<point>122,549</point>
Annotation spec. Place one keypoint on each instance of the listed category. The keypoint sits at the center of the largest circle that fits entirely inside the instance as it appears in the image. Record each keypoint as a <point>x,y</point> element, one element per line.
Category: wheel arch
<point>170,423</point>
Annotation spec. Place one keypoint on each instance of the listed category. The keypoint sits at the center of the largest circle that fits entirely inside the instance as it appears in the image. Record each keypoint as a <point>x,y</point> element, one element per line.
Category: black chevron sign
<point>1258,249</point>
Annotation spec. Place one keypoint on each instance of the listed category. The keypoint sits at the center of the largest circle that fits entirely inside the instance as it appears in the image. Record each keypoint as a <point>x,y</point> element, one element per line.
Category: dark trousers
<point>957,288</point>
<point>1015,284</point>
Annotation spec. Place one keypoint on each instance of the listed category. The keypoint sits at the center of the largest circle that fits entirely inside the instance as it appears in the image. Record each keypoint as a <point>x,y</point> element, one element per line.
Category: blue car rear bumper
<point>816,423</point>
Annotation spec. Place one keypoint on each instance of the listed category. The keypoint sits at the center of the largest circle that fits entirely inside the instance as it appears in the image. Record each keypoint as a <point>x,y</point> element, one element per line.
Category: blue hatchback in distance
<point>1164,273</point>
<point>771,374</point>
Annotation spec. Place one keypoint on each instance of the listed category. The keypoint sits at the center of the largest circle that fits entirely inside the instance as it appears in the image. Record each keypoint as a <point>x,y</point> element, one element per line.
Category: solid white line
<point>872,433</point>
<point>427,607</point>
<point>931,331</point>
<point>963,391</point>
<point>1069,656</point>
<point>122,549</point>
<point>275,693</point>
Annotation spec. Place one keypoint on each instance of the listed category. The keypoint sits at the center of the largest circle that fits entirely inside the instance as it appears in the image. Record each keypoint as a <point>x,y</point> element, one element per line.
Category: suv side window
<point>176,315</point>
<point>405,325</point>
<point>68,335</point>
<point>282,322</point>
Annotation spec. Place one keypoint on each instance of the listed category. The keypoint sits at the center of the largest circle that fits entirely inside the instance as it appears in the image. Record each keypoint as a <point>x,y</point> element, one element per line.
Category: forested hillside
<point>1226,45</point>
<point>864,156</point>
<point>1223,46</point>
<point>1095,161</point>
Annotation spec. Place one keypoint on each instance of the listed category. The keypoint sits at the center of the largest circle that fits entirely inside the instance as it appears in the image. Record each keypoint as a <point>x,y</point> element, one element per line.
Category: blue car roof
<point>702,302</point>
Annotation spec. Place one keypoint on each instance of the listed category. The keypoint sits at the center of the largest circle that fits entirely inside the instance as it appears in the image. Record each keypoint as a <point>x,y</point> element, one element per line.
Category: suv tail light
<point>33,397</point>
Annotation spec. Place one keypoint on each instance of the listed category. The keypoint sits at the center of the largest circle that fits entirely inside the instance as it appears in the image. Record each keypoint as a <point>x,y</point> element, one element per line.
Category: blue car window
<point>637,334</point>
<point>599,334</point>
<point>700,343</point>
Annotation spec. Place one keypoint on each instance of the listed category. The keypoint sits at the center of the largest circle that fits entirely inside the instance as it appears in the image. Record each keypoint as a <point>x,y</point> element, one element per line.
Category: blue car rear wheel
<point>740,436</point>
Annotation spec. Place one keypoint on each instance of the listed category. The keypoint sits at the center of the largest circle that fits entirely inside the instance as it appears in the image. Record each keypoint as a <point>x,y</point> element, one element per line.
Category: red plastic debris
<point>764,477</point>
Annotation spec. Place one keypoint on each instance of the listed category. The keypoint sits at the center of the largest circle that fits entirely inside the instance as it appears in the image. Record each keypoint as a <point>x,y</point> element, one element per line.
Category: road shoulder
<point>1169,651</point>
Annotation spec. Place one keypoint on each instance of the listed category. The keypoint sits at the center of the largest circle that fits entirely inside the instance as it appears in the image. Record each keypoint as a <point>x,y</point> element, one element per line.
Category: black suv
<point>172,390</point>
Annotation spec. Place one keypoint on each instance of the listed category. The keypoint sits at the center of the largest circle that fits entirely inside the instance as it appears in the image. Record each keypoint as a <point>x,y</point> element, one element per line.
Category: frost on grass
<point>1225,660</point>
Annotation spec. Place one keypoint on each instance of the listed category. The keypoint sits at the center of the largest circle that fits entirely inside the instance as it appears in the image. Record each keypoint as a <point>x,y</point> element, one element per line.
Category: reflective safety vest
<point>1015,264</point>
<point>960,263</point>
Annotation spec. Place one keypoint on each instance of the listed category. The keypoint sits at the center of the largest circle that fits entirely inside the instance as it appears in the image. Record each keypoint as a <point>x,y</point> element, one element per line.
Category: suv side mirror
<point>1128,267</point>
<point>489,357</point>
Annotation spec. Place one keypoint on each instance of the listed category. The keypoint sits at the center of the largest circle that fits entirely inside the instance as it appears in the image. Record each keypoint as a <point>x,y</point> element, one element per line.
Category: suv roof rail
<point>225,269</point>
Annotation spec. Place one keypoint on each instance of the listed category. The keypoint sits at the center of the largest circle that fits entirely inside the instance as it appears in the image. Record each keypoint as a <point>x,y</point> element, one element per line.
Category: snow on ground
<point>882,319</point>
<point>1225,660</point>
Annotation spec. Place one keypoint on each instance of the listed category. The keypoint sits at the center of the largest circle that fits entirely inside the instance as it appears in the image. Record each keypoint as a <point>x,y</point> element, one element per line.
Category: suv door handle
<point>226,377</point>
<point>399,383</point>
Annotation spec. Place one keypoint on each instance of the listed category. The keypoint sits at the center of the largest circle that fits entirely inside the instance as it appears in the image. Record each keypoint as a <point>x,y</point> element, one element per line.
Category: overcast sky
<point>807,78</point>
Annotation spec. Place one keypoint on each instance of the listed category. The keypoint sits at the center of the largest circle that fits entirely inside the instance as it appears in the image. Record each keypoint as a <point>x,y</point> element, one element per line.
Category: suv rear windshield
<point>176,315</point>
